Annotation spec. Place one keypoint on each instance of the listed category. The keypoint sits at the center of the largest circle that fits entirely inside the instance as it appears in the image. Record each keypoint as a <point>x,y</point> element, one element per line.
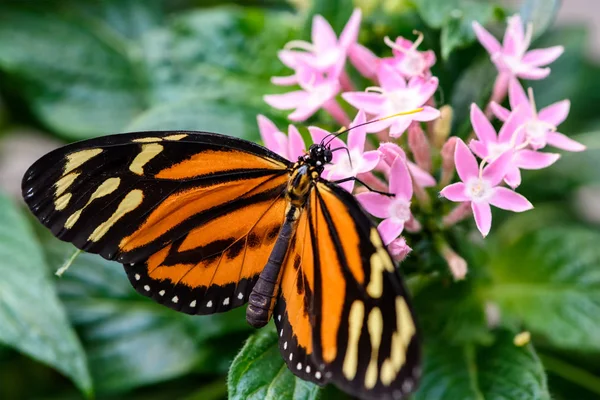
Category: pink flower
<point>540,127</point>
<point>326,51</point>
<point>481,188</point>
<point>291,146</point>
<point>390,151</point>
<point>399,249</point>
<point>364,60</point>
<point>349,163</point>
<point>407,59</point>
<point>395,96</point>
<point>512,57</point>
<point>510,138</point>
<point>317,90</point>
<point>395,211</point>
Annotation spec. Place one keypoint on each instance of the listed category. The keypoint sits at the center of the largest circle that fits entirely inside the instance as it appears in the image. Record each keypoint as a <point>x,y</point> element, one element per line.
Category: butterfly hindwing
<point>364,337</point>
<point>192,216</point>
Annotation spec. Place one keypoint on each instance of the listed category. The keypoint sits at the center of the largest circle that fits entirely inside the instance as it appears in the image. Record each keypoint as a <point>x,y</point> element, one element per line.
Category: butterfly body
<point>204,223</point>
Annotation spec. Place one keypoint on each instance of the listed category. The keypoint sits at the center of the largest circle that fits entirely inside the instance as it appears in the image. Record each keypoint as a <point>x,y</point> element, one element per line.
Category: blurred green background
<point>72,69</point>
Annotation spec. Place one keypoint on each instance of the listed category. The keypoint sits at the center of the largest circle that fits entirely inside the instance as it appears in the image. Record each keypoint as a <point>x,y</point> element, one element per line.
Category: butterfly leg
<point>355,179</point>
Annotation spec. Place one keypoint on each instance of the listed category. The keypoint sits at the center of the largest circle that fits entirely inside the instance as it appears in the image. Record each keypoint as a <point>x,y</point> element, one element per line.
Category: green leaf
<point>469,372</point>
<point>336,12</point>
<point>259,372</point>
<point>77,77</point>
<point>131,340</point>
<point>89,70</point>
<point>32,319</point>
<point>549,282</point>
<point>473,86</point>
<point>540,13</point>
<point>454,18</point>
<point>452,312</point>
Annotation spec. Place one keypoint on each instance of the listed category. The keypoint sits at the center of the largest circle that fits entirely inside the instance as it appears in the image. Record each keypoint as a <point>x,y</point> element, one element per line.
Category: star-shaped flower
<point>291,146</point>
<point>407,59</point>
<point>539,127</point>
<point>395,211</point>
<point>510,138</point>
<point>481,187</point>
<point>348,163</point>
<point>511,57</point>
<point>395,96</point>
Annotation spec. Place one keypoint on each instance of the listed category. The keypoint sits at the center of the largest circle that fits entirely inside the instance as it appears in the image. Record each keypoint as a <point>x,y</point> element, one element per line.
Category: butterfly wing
<point>192,215</point>
<point>351,315</point>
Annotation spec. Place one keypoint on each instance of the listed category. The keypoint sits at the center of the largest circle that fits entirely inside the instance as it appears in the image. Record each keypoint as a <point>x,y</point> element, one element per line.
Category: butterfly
<point>204,223</point>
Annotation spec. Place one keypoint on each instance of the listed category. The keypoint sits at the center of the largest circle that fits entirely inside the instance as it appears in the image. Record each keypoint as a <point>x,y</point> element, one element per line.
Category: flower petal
<point>479,148</point>
<point>375,204</point>
<point>500,112</point>
<point>350,33</point>
<point>399,125</point>
<point>482,126</point>
<point>420,176</point>
<point>390,230</point>
<point>534,73</point>
<point>496,170</point>
<point>303,112</point>
<point>284,80</point>
<point>286,101</point>
<point>347,186</point>
<point>400,180</point>
<point>530,159</point>
<point>483,217</point>
<point>540,57</point>
<point>370,159</point>
<point>358,135</point>
<point>390,79</point>
<point>389,151</point>
<point>563,142</point>
<point>296,146</point>
<point>509,128</point>
<point>364,60</point>
<point>427,114</point>
<point>506,199</point>
<point>513,177</point>
<point>317,134</point>
<point>486,39</point>
<point>323,36</point>
<point>426,87</point>
<point>555,113</point>
<point>267,130</point>
<point>455,192</point>
<point>517,95</point>
<point>466,164</point>
<point>372,103</point>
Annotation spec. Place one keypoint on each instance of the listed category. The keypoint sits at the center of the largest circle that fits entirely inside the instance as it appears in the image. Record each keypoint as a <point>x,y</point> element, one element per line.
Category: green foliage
<point>83,69</point>
<point>259,372</point>
<point>33,320</point>
<point>499,371</point>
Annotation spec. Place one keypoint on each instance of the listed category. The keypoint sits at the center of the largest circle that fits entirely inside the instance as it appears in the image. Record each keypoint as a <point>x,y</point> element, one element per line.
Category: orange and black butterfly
<point>204,223</point>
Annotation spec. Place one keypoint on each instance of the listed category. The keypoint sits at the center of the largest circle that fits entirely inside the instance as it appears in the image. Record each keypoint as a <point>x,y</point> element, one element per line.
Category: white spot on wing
<point>318,375</point>
<point>193,303</point>
<point>146,288</point>
<point>209,304</point>
<point>240,295</point>
<point>137,277</point>
<point>226,301</point>
<point>299,366</point>
<point>175,299</point>
<point>162,292</point>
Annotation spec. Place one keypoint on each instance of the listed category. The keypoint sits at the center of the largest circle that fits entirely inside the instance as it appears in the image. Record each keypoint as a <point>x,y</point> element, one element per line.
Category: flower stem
<point>571,373</point>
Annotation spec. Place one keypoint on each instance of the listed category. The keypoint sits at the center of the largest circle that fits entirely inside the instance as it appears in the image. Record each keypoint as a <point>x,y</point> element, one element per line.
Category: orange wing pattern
<point>333,322</point>
<point>193,216</point>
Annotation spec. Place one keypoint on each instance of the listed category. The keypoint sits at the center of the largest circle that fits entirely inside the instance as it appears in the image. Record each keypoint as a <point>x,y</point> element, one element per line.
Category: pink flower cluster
<point>403,83</point>
<point>524,132</point>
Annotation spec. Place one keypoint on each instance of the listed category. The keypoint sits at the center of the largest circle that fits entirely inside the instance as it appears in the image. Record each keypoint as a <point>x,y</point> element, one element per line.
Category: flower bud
<point>419,146</point>
<point>447,154</point>
<point>442,126</point>
<point>458,213</point>
<point>457,264</point>
<point>399,249</point>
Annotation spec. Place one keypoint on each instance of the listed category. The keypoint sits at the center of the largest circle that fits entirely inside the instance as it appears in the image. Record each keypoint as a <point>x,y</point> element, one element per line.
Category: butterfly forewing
<point>193,216</point>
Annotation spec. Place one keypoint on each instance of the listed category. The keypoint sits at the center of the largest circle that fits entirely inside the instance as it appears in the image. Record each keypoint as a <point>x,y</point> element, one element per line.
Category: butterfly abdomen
<point>262,299</point>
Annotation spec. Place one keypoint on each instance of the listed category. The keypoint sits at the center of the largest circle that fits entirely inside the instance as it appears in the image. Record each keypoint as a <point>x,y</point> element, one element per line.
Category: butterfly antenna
<point>341,132</point>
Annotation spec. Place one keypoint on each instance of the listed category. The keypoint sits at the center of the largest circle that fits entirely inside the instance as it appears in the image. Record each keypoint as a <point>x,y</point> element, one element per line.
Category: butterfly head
<point>318,155</point>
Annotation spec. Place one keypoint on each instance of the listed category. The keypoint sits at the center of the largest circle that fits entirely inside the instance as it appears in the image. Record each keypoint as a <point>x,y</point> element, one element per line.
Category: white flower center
<point>495,150</point>
<point>412,64</point>
<point>536,132</point>
<point>344,168</point>
<point>399,210</point>
<point>401,100</point>
<point>478,190</point>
